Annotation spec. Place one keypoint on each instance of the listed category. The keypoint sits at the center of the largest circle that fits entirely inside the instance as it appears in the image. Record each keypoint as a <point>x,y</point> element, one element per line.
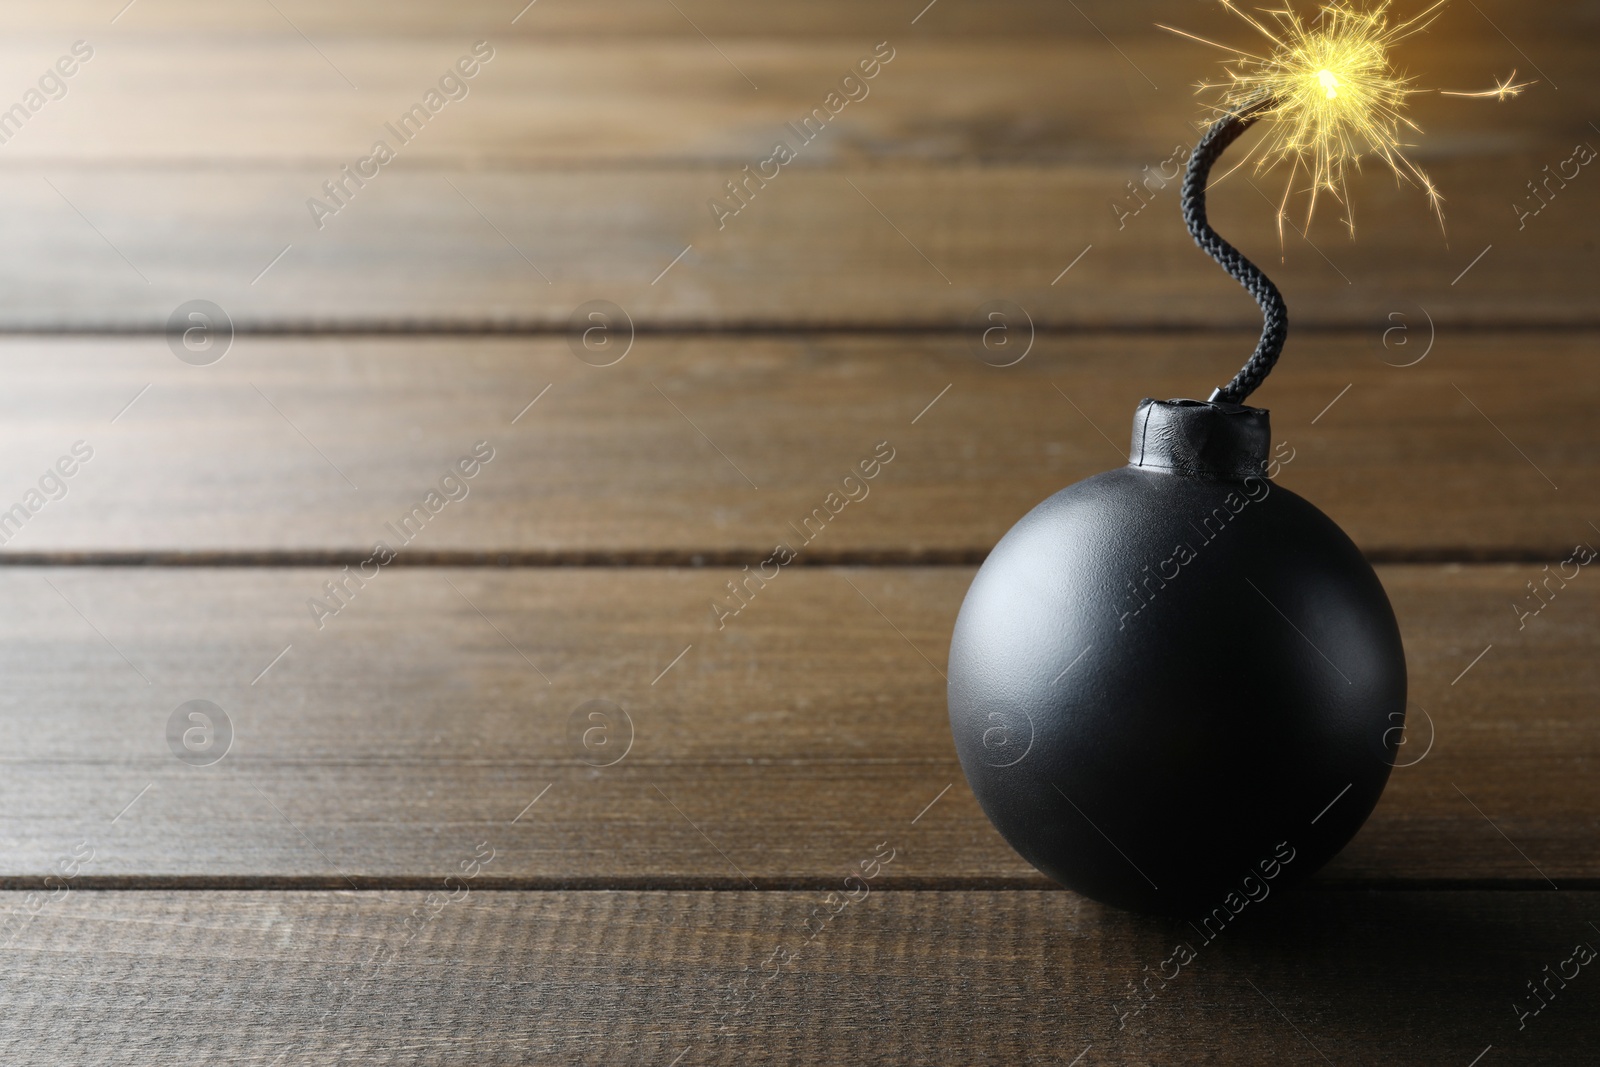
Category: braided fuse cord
<point>1275,327</point>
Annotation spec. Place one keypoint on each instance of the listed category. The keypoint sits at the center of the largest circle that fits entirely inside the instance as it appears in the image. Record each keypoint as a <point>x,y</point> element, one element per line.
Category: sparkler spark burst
<point>1329,95</point>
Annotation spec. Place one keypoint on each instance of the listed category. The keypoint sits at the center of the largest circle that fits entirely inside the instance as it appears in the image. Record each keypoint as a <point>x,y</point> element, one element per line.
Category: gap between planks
<point>132,883</point>
<point>526,559</point>
<point>544,327</point>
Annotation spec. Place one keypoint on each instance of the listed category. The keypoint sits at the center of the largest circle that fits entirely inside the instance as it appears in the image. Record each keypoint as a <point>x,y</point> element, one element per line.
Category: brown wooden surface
<point>155,911</point>
<point>778,22</point>
<point>983,978</point>
<point>511,250</point>
<point>763,754</point>
<point>981,169</point>
<point>636,100</point>
<point>610,464</point>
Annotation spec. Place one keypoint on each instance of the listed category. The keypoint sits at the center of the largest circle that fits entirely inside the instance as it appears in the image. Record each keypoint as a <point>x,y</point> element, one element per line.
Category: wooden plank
<point>249,457</point>
<point>766,752</point>
<point>1016,19</point>
<point>178,99</point>
<point>916,977</point>
<point>582,169</point>
<point>120,249</point>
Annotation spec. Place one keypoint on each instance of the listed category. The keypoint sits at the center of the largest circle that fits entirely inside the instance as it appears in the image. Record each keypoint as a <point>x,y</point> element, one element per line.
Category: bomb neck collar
<point>1200,439</point>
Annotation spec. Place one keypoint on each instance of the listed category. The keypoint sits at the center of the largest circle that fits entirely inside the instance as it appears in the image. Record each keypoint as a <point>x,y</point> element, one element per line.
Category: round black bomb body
<point>1163,672</point>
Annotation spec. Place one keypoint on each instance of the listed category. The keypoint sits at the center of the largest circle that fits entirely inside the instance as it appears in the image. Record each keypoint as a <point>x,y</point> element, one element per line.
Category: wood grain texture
<point>899,977</point>
<point>111,248</point>
<point>263,452</point>
<point>439,704</point>
<point>434,716</point>
<point>416,842</point>
<point>241,100</point>
<point>982,166</point>
<point>1012,19</point>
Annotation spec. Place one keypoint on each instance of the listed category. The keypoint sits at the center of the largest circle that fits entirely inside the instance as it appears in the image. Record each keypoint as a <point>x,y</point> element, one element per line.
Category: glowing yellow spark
<point>1329,96</point>
<point>1503,90</point>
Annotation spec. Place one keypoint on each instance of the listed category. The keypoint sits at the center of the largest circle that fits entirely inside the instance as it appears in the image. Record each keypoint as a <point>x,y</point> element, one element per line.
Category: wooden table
<point>401,829</point>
